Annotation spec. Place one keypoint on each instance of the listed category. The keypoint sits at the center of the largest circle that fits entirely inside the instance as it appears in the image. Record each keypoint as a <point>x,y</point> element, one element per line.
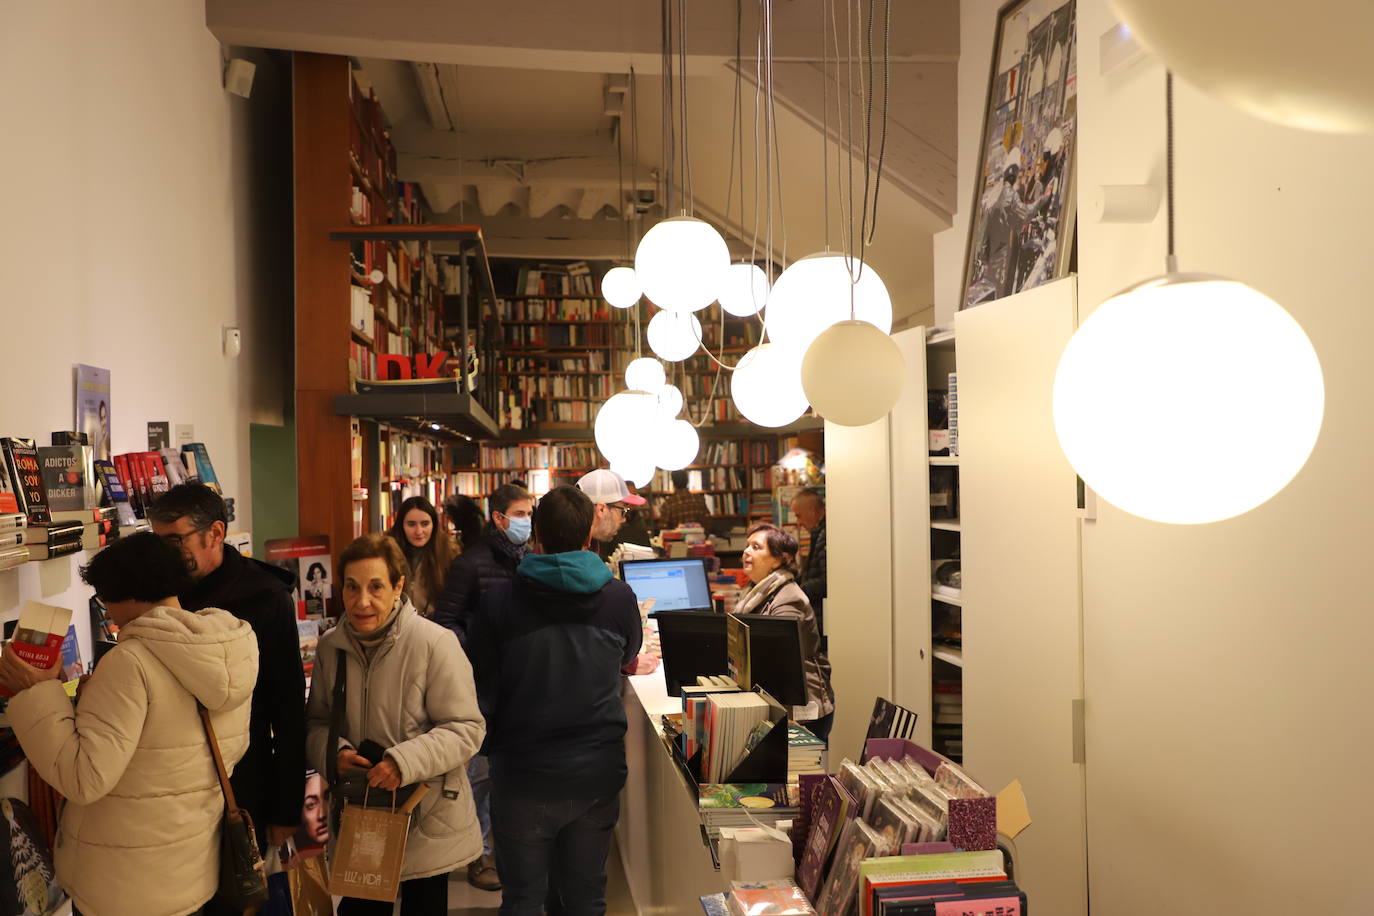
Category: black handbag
<point>352,787</point>
<point>242,876</point>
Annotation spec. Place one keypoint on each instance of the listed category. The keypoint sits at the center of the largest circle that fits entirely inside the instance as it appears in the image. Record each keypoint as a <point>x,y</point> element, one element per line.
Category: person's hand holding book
<point>17,674</point>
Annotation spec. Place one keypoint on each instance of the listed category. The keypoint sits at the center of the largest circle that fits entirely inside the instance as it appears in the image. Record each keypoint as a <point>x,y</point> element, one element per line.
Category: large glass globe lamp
<point>620,287</point>
<point>853,373</point>
<point>766,385</point>
<point>674,336</point>
<point>814,293</point>
<point>681,264</point>
<point>1188,399</point>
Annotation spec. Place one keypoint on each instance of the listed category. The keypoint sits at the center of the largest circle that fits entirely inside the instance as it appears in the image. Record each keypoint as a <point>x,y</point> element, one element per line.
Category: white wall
<point>132,235</point>
<point>1226,666</point>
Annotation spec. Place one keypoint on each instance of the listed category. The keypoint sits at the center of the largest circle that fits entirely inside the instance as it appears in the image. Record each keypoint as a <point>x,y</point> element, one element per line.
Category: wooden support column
<point>321,115</point>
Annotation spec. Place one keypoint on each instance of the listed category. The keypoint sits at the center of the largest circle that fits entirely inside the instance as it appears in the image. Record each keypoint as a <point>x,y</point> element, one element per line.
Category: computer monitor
<point>775,657</point>
<point>693,644</point>
<point>674,584</point>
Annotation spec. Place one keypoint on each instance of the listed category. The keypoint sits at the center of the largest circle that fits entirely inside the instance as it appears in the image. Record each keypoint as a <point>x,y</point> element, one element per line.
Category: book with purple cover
<point>832,806</point>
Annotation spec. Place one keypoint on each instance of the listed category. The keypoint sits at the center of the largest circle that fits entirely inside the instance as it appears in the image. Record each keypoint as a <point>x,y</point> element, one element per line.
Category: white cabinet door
<point>1022,619</point>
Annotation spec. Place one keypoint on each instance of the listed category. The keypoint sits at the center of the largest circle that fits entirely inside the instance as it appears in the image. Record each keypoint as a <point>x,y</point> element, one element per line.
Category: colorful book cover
<point>9,499</point>
<point>308,559</point>
<point>747,795</point>
<point>832,806</point>
<point>38,635</point>
<point>68,477</point>
<point>115,494</point>
<point>28,881</point>
<point>92,407</point>
<point>21,457</point>
<point>200,460</point>
<point>72,666</point>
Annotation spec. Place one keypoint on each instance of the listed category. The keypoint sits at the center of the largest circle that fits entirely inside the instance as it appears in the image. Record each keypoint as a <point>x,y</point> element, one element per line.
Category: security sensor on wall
<point>233,342</point>
<point>238,76</point>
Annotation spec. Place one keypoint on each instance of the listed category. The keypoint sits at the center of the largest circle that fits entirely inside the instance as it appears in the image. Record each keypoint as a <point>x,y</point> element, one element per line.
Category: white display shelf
<point>955,599</point>
<point>945,524</point>
<point>949,654</point>
<point>944,461</point>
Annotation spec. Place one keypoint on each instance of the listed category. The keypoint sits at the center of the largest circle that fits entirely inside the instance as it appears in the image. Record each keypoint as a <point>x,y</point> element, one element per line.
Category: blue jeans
<point>479,777</point>
<point>552,849</point>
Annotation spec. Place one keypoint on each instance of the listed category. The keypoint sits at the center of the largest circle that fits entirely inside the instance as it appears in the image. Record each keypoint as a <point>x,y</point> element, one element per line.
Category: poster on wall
<point>1022,232</point>
<point>92,400</point>
<point>308,560</point>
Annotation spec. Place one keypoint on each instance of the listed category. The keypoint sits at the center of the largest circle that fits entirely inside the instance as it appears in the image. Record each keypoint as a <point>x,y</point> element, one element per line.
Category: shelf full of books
<point>406,465</point>
<point>58,499</point>
<point>946,578</point>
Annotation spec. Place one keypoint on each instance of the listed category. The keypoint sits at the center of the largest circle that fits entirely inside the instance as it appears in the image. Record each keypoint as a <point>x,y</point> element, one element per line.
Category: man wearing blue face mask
<point>492,559</point>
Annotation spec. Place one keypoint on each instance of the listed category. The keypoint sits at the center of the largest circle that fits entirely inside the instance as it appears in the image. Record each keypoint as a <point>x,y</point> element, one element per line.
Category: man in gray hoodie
<point>547,650</point>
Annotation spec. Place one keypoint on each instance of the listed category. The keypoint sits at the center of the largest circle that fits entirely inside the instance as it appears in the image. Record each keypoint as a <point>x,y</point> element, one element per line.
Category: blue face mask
<point>519,530</point>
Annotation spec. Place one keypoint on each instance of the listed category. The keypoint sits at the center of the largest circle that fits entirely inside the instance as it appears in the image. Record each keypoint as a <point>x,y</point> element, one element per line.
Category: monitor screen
<point>674,585</point>
<point>693,644</point>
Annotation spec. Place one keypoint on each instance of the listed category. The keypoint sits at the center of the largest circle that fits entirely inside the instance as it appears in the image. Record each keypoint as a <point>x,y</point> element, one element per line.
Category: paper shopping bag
<point>371,850</point>
<point>368,856</point>
<point>310,889</point>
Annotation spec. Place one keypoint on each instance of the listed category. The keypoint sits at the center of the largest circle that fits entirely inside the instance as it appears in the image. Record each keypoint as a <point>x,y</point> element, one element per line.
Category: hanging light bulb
<point>1254,63</point>
<point>814,293</point>
<point>1188,399</point>
<point>620,425</point>
<point>640,472</point>
<point>745,290</point>
<point>620,287</point>
<point>645,374</point>
<point>674,336</point>
<point>669,402</point>
<point>676,445</point>
<point>681,264</point>
<point>853,373</point>
<point>766,385</point>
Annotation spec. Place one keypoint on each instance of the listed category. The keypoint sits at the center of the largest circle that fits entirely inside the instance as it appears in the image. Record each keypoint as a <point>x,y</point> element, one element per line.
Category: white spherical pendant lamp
<point>681,264</point>
<point>639,472</point>
<point>676,445</point>
<point>673,336</point>
<point>766,385</point>
<point>1253,59</point>
<point>620,287</point>
<point>745,291</point>
<point>1188,399</point>
<point>621,424</point>
<point>644,374</point>
<point>853,373</point>
<point>669,402</point>
<point>814,293</point>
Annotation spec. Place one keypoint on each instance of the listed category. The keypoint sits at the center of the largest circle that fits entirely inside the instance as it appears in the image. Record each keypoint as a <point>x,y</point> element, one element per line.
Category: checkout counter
<point>668,864</point>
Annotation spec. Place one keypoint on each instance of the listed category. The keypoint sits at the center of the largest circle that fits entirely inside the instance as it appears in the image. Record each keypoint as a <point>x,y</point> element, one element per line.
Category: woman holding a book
<point>140,831</point>
<point>770,560</point>
<point>392,705</point>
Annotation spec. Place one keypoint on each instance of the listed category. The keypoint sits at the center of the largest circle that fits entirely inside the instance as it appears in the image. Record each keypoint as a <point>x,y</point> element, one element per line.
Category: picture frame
<point>1023,214</point>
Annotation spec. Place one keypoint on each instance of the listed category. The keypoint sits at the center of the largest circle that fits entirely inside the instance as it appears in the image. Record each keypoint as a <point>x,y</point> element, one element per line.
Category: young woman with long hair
<point>428,550</point>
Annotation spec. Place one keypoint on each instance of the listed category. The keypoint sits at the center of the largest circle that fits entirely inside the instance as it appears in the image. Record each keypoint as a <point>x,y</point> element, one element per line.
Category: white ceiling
<point>501,114</point>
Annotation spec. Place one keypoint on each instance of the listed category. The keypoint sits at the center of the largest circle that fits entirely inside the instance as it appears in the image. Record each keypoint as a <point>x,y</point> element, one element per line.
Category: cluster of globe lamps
<point>827,319</point>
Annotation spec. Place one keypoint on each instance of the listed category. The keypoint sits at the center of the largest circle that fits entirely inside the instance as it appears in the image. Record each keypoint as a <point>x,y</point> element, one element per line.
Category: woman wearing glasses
<point>140,830</point>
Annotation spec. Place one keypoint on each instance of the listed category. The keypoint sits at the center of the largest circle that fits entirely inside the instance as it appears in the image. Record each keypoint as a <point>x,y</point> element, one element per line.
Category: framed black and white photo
<point>1022,228</point>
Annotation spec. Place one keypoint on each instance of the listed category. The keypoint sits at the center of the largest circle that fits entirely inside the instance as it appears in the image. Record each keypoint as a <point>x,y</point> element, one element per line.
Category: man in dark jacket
<point>547,649</point>
<point>492,559</point>
<point>481,565</point>
<point>270,779</point>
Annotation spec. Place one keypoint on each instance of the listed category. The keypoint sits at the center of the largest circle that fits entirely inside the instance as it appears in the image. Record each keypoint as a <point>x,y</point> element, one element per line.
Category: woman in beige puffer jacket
<point>139,834</point>
<point>409,690</point>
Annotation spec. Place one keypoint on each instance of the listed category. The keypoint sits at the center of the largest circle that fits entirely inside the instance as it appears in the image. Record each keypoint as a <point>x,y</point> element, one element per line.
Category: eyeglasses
<point>623,510</point>
<point>177,540</point>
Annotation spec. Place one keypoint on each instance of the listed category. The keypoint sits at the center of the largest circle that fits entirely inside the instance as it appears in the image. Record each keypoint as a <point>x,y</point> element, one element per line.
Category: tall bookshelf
<point>368,282</point>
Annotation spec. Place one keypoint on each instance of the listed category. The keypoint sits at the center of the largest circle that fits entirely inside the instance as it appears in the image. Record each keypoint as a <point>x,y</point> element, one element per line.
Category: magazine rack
<point>766,762</point>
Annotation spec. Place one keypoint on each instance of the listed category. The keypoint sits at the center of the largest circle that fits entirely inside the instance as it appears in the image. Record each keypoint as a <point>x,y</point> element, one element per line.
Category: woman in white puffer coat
<point>139,834</point>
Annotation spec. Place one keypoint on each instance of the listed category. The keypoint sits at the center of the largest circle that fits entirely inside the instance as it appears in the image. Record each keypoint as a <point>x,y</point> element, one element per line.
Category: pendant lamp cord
<point>634,197</point>
<point>1170,262</point>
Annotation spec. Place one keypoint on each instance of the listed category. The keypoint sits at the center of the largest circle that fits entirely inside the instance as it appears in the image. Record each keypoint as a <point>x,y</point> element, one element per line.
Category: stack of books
<point>805,752</point>
<point>745,805</point>
<point>54,539</point>
<point>13,530</point>
<point>99,526</point>
<point>732,720</point>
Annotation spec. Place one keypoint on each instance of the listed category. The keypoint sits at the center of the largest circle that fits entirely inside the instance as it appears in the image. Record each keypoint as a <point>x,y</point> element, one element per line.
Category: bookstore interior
<point>843,296</point>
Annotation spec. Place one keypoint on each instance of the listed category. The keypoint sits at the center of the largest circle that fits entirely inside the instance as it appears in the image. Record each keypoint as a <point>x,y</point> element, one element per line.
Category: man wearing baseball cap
<point>612,500</point>
<point>607,490</point>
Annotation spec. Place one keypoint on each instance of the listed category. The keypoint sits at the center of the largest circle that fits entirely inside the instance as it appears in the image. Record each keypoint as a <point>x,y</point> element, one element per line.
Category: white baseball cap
<point>605,486</point>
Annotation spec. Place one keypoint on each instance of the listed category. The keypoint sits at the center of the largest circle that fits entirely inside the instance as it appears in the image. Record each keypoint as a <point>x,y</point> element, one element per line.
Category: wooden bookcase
<point>353,216</point>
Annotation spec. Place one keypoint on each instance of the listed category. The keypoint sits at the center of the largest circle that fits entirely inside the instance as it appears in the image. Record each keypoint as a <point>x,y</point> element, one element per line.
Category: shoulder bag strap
<point>337,716</point>
<point>228,790</point>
